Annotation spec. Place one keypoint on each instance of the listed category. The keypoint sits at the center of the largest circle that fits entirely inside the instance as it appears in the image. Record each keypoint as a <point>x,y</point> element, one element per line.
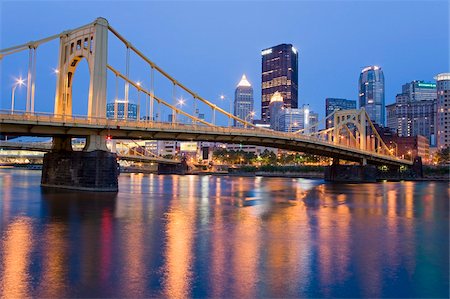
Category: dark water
<point>193,236</point>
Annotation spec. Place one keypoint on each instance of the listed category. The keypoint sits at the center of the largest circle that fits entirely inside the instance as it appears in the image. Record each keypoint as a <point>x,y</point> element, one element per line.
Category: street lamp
<point>180,103</point>
<point>18,82</point>
<point>222,97</point>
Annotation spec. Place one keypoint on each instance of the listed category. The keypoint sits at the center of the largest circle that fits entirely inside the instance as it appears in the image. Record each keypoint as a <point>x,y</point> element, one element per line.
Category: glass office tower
<point>332,104</point>
<point>371,93</point>
<point>443,109</point>
<point>279,74</point>
<point>243,101</point>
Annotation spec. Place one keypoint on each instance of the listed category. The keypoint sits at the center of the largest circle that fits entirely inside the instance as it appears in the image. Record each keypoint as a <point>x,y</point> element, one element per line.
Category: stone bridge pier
<point>350,173</point>
<point>93,169</point>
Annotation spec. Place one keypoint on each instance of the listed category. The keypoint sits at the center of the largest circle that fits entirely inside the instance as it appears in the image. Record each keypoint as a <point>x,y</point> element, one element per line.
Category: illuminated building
<point>443,109</point>
<point>243,102</point>
<point>279,74</point>
<point>275,107</point>
<point>117,110</point>
<point>414,110</point>
<point>371,93</point>
<point>294,119</point>
<point>332,104</point>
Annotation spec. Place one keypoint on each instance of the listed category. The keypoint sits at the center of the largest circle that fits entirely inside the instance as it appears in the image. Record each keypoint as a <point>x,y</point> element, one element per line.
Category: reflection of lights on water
<point>17,245</point>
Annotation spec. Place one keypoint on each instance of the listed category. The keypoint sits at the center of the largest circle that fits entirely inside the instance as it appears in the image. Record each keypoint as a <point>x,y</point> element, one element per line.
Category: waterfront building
<point>443,110</point>
<point>371,93</point>
<point>291,120</point>
<point>116,110</point>
<point>279,74</point>
<point>414,111</point>
<point>275,107</point>
<point>243,101</point>
<point>313,119</point>
<point>294,119</point>
<point>332,104</point>
<point>407,147</point>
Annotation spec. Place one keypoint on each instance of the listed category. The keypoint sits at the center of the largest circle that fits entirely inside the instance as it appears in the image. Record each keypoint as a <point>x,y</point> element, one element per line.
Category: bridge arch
<point>357,118</point>
<point>89,42</point>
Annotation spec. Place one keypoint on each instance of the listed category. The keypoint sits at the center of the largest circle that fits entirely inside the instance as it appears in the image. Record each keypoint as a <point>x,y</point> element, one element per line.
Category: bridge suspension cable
<point>159,100</point>
<point>175,82</point>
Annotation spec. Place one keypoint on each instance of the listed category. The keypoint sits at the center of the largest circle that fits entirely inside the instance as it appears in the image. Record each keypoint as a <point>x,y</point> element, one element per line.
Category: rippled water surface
<point>218,236</point>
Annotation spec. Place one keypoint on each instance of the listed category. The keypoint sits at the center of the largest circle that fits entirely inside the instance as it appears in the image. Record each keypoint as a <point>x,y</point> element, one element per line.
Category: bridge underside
<point>200,133</point>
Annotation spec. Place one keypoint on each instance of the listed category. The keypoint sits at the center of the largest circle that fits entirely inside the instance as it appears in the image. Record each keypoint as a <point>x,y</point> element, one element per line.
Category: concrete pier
<point>90,171</point>
<point>351,173</point>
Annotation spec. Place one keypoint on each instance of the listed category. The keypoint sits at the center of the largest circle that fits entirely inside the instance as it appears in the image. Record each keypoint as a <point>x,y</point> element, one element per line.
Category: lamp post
<point>180,102</point>
<point>222,97</point>
<point>19,82</point>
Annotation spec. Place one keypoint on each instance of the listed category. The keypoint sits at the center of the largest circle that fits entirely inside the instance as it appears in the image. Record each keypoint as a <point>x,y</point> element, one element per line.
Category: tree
<point>443,156</point>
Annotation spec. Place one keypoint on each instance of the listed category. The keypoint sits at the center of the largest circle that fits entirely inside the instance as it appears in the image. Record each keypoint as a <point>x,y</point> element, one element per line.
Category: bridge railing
<point>74,120</point>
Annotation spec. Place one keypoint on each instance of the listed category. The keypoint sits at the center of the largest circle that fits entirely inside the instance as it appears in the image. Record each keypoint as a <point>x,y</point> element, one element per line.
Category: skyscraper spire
<point>244,82</point>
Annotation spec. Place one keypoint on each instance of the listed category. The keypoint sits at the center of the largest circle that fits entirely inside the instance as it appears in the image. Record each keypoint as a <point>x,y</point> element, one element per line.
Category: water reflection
<point>16,251</point>
<point>191,236</point>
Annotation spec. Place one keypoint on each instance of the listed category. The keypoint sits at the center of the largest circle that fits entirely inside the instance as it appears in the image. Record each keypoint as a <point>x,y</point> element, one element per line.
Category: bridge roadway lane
<point>50,125</point>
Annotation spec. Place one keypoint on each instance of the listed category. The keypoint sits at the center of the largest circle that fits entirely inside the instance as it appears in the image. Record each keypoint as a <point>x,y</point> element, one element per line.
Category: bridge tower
<point>95,168</point>
<point>89,42</point>
<point>355,117</point>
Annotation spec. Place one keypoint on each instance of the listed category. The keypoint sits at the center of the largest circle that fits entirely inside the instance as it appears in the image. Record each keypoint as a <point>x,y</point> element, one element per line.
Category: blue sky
<point>209,45</point>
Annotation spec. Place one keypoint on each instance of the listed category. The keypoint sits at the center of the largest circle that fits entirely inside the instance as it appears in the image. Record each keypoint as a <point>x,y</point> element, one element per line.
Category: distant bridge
<point>47,147</point>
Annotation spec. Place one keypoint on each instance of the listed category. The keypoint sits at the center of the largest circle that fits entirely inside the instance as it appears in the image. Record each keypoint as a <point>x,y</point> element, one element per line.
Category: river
<point>227,237</point>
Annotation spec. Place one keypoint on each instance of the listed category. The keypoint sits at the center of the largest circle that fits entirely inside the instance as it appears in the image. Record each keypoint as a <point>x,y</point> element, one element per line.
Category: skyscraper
<point>371,93</point>
<point>332,104</point>
<point>243,101</point>
<point>414,111</point>
<point>275,107</point>
<point>443,110</point>
<point>279,74</point>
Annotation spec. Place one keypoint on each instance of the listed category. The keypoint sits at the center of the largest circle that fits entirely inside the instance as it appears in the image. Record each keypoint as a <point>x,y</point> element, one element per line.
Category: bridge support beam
<point>93,169</point>
<point>88,171</point>
<point>350,173</point>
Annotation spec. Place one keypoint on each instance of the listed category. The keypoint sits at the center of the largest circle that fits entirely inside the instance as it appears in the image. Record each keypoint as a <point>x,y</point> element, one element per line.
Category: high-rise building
<point>313,118</point>
<point>443,110</point>
<point>291,120</point>
<point>414,110</point>
<point>332,104</point>
<point>279,74</point>
<point>116,110</point>
<point>243,101</point>
<point>371,93</point>
<point>294,119</point>
<point>275,107</point>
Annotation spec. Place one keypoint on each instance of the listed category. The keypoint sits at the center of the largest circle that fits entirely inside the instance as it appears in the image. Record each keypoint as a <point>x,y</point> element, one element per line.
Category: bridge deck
<point>50,125</point>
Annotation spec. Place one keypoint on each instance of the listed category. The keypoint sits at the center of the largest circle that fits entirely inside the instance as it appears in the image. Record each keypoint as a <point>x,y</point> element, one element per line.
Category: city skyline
<point>324,59</point>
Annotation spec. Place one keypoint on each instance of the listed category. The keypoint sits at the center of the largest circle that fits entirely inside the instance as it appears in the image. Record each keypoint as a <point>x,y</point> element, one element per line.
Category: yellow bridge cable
<point>174,81</point>
<point>159,100</point>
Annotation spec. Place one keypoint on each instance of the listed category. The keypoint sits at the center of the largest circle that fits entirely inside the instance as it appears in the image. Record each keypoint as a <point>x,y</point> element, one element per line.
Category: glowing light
<point>138,83</point>
<point>442,77</point>
<point>294,50</point>
<point>20,81</point>
<point>265,52</point>
<point>276,97</point>
<point>374,67</point>
<point>244,82</point>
